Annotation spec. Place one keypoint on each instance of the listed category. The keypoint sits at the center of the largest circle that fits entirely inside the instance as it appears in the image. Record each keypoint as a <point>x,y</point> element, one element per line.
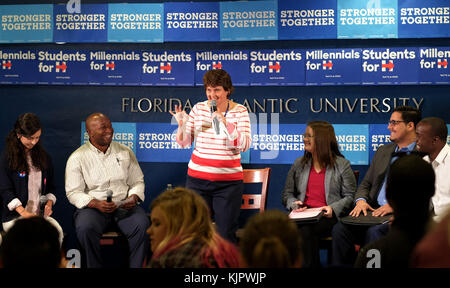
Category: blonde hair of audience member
<point>271,240</point>
<point>186,217</point>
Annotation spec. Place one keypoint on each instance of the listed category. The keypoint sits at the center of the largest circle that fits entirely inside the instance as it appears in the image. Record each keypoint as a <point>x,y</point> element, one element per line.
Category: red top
<point>315,191</point>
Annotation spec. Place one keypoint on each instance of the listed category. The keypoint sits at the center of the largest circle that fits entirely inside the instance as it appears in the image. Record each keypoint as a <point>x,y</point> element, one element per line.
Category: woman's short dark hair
<point>218,77</point>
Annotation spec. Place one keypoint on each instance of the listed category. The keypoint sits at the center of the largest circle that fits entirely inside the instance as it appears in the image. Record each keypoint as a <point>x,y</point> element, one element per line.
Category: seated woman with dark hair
<point>182,234</point>
<point>26,174</point>
<point>322,178</point>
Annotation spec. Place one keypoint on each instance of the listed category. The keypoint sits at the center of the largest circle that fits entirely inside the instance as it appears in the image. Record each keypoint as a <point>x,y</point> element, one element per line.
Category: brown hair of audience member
<point>271,240</point>
<point>187,216</point>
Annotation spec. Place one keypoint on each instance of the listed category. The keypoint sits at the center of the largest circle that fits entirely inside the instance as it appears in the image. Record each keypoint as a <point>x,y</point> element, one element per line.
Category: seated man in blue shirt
<point>370,194</point>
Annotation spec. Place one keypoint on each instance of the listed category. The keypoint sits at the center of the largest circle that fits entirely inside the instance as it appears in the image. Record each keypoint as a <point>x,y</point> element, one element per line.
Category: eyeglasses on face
<point>307,136</point>
<point>394,122</point>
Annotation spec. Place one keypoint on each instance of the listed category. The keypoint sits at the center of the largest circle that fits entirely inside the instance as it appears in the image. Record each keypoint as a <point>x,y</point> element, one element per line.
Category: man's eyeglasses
<point>307,136</point>
<point>394,122</point>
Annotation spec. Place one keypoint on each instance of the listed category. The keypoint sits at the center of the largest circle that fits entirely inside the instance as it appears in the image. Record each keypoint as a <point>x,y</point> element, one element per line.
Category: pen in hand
<point>300,206</point>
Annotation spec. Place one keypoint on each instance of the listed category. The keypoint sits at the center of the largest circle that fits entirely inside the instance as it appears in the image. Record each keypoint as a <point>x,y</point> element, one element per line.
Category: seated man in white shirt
<point>432,140</point>
<point>93,169</point>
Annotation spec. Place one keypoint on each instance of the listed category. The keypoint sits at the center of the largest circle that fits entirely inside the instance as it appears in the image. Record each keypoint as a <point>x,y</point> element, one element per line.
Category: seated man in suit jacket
<point>370,194</point>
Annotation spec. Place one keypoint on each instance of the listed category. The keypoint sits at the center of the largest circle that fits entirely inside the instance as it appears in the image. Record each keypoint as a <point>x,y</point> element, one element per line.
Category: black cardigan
<point>15,185</point>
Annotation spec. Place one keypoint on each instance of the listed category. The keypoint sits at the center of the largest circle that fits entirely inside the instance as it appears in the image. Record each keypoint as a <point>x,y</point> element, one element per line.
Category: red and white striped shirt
<point>217,157</point>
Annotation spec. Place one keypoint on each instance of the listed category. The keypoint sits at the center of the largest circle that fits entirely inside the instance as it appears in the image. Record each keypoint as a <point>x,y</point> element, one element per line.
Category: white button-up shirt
<point>90,173</point>
<point>441,167</point>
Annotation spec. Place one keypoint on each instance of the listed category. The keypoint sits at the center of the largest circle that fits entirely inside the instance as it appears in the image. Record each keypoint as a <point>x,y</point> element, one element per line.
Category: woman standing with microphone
<point>221,130</point>
<point>26,175</point>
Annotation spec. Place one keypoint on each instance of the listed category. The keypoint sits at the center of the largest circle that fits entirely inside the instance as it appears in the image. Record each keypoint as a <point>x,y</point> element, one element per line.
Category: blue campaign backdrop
<point>62,108</point>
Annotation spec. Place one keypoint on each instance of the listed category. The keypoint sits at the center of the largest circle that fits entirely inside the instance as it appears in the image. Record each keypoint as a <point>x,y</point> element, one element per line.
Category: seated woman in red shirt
<point>322,178</point>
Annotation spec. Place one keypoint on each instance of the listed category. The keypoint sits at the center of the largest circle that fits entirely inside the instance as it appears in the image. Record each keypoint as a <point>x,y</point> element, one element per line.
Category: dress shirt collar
<point>94,149</point>
<point>408,148</point>
<point>442,154</point>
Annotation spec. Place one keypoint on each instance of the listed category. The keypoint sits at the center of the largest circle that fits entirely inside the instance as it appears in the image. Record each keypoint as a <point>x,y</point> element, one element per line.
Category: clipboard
<point>367,220</point>
<point>310,215</point>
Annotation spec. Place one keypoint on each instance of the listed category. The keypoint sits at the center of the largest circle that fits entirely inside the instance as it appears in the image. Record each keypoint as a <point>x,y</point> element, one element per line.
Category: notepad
<point>367,220</point>
<point>310,215</point>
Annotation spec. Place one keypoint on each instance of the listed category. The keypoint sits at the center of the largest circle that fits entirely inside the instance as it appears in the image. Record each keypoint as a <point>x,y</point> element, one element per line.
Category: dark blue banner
<point>191,21</point>
<point>114,68</point>
<point>379,135</point>
<point>307,19</point>
<point>88,26</point>
<point>235,62</point>
<point>17,66</point>
<point>167,68</point>
<point>61,67</point>
<point>277,67</point>
<point>156,142</point>
<point>390,66</point>
<point>434,65</point>
<point>333,67</point>
<point>281,143</point>
<point>417,19</point>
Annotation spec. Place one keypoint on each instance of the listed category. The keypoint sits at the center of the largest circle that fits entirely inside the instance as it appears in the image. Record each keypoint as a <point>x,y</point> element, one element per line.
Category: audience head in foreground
<point>31,242</point>
<point>409,187</point>
<point>183,235</point>
<point>271,240</point>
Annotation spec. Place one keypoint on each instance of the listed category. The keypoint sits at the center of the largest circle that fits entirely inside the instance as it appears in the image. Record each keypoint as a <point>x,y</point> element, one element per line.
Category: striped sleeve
<point>239,136</point>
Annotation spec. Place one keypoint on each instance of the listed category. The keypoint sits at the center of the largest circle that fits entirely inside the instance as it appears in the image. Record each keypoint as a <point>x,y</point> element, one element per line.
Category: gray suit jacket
<point>340,185</point>
<point>374,178</point>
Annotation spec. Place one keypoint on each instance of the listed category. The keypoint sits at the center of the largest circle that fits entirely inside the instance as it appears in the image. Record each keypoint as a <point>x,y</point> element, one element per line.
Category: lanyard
<point>228,106</point>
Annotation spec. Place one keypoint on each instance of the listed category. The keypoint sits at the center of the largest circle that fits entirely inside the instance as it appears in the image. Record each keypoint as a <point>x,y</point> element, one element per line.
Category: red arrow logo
<point>218,65</point>
<point>390,65</point>
<point>8,65</point>
<point>443,63</point>
<point>329,64</point>
<point>276,66</point>
<point>62,67</point>
<point>167,68</point>
<point>110,65</point>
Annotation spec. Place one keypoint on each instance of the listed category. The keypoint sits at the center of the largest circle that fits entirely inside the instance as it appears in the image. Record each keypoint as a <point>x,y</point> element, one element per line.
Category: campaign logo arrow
<point>110,66</point>
<point>62,67</point>
<point>217,66</point>
<point>275,67</point>
<point>389,65</point>
<point>166,68</point>
<point>328,65</point>
<point>6,65</point>
<point>442,63</point>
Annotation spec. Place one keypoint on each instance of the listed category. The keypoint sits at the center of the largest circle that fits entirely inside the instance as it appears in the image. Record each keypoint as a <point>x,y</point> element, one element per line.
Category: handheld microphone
<point>109,194</point>
<point>42,201</point>
<point>215,120</point>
